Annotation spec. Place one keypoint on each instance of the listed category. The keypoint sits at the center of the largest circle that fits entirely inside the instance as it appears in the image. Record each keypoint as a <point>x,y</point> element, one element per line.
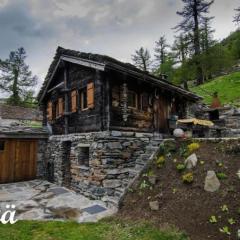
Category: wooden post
<point>66,98</point>
<point>107,103</point>
<point>124,99</point>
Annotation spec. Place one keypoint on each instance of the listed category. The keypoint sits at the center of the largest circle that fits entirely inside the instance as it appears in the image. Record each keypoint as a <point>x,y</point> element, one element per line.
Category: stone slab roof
<point>19,113</point>
<point>22,132</point>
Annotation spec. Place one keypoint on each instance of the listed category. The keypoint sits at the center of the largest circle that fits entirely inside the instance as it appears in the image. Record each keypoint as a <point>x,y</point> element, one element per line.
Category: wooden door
<point>18,160</point>
<point>161,114</point>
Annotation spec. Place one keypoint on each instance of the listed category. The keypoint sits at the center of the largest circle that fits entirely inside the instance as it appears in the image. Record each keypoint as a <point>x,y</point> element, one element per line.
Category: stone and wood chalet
<point>105,117</point>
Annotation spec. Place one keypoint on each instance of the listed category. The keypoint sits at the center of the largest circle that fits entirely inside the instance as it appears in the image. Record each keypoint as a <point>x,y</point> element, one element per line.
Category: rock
<point>191,161</point>
<point>212,183</point>
<point>45,195</point>
<point>154,206</point>
<point>178,133</point>
<point>23,206</point>
<point>116,133</point>
<point>114,145</point>
<point>67,213</point>
<point>111,183</point>
<point>34,214</point>
<point>238,234</point>
<point>152,179</point>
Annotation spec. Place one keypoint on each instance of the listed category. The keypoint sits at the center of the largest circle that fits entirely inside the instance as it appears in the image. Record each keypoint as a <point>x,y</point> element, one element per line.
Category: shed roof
<point>103,62</point>
<point>19,113</point>
<point>23,132</point>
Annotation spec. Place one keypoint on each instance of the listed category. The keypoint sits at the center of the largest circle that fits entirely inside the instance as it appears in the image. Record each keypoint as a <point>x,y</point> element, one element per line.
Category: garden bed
<point>201,214</point>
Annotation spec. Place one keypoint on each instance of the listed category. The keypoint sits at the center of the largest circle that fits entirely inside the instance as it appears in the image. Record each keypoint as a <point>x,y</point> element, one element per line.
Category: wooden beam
<point>66,99</point>
<point>84,62</point>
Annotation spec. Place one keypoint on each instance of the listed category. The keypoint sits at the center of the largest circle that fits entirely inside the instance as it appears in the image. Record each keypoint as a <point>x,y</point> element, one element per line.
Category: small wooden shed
<point>20,153</point>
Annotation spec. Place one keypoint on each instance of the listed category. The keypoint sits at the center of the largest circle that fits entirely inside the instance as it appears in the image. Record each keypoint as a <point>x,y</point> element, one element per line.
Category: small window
<point>116,96</point>
<point>83,99</point>
<point>2,146</point>
<point>132,99</point>
<point>83,156</point>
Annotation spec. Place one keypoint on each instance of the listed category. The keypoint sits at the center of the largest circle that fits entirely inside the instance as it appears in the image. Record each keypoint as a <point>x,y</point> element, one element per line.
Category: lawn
<point>104,230</point>
<point>228,88</point>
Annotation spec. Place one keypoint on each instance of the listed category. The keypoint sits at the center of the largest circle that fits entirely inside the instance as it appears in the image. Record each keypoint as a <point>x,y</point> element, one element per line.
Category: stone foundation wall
<point>115,160</point>
<point>41,157</point>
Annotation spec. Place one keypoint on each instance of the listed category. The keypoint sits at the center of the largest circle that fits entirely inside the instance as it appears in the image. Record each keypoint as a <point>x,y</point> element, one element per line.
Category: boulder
<point>178,133</point>
<point>238,234</point>
<point>212,184</point>
<point>191,161</point>
<point>154,205</point>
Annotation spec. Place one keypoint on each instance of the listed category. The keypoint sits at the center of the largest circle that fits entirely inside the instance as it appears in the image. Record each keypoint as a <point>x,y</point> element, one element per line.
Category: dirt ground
<point>187,206</point>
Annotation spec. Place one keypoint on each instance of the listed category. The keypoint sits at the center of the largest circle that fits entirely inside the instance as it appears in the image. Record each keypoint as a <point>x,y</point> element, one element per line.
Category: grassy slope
<point>105,230</point>
<point>228,88</point>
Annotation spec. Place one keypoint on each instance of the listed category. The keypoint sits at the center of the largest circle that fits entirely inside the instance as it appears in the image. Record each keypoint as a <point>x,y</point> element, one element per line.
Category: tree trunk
<point>197,44</point>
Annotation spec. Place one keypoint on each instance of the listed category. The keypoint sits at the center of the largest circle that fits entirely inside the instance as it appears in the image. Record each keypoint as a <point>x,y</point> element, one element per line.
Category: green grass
<point>228,88</point>
<point>104,230</point>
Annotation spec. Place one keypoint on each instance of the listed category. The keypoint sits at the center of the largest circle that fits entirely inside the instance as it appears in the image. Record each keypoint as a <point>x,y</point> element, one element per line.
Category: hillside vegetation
<point>228,88</point>
<point>174,192</point>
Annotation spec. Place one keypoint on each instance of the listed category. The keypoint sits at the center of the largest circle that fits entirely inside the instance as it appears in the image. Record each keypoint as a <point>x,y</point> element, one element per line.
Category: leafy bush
<point>180,167</point>
<point>221,176</point>
<point>187,178</point>
<point>193,147</point>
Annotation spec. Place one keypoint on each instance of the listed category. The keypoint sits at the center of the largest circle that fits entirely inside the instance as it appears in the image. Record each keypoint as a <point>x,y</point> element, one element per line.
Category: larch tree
<point>193,14</point>
<point>180,48</point>
<point>161,48</point>
<point>142,59</point>
<point>15,77</point>
<point>236,18</point>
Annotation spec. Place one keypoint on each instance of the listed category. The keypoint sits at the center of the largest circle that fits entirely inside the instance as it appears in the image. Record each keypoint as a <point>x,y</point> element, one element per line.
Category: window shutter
<point>49,111</point>
<point>60,106</point>
<point>90,95</point>
<point>74,101</point>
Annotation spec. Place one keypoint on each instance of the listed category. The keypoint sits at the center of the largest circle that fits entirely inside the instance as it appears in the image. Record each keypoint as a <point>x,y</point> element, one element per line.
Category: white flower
<point>238,173</point>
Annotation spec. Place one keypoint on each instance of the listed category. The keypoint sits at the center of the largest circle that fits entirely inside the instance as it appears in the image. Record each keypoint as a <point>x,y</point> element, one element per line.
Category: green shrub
<point>180,167</point>
<point>160,161</point>
<point>221,176</point>
<point>187,178</point>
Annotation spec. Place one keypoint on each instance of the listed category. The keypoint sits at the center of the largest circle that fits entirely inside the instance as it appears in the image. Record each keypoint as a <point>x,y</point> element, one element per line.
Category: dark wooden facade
<point>82,95</point>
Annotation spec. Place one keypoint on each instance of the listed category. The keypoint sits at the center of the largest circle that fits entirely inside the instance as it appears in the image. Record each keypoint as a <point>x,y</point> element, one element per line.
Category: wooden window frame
<point>136,100</point>
<point>81,94</point>
<point>141,102</point>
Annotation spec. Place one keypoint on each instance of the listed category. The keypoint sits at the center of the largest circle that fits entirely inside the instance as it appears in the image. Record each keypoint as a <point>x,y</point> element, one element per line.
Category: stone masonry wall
<point>115,160</point>
<point>41,166</point>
